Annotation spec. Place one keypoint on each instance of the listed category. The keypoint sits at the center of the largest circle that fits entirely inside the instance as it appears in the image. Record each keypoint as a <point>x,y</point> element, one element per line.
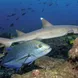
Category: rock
<point>65,70</point>
<point>35,72</point>
<point>73,52</point>
<point>16,76</point>
<point>75,42</point>
<point>48,62</point>
<point>51,68</point>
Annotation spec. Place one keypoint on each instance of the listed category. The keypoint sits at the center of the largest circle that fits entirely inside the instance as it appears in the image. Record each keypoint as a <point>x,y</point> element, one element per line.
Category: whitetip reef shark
<point>46,32</point>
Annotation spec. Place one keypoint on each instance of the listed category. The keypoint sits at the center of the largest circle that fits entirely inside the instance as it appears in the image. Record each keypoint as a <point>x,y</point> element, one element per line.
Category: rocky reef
<point>61,62</point>
<point>50,68</point>
<point>73,53</point>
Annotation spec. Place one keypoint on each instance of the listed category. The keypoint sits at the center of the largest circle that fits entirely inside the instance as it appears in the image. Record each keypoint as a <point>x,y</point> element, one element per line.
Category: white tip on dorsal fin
<point>19,33</point>
<point>45,23</point>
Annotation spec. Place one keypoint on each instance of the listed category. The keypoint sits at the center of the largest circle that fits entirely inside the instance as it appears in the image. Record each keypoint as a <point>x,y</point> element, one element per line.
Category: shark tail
<point>6,42</point>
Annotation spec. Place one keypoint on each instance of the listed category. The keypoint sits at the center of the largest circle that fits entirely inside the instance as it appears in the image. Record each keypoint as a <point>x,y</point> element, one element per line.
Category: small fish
<point>67,4</point>
<point>42,9</point>
<point>25,53</point>
<point>44,2</point>
<point>23,14</point>
<point>23,9</point>
<point>12,25</point>
<point>17,18</point>
<point>50,4</point>
<point>11,15</point>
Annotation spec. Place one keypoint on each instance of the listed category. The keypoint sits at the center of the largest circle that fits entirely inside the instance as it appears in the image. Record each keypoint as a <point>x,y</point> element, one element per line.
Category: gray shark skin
<point>48,31</point>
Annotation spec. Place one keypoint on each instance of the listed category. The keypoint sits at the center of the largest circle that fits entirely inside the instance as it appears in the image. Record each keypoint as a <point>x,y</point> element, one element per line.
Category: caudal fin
<point>6,42</point>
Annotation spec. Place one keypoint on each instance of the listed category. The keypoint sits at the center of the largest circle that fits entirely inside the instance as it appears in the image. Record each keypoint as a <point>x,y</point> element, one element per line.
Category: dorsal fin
<point>45,23</point>
<point>19,33</point>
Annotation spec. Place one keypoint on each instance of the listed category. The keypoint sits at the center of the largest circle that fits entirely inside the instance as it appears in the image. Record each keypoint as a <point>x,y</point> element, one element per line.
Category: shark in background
<point>47,31</point>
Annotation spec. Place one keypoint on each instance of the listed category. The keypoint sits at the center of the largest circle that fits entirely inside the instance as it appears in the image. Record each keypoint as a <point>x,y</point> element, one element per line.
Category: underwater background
<point>25,14</point>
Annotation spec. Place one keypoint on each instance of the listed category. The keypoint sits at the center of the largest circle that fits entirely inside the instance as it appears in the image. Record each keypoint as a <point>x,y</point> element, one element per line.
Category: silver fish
<point>25,53</point>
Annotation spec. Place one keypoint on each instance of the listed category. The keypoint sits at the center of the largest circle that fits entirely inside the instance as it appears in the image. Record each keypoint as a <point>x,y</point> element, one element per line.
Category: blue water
<point>55,11</point>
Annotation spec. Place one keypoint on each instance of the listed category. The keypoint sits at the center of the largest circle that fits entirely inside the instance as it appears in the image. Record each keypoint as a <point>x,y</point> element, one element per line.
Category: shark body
<point>48,31</point>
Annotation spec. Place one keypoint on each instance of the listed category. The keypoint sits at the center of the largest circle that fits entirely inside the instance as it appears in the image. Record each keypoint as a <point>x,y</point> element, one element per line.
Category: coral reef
<point>73,52</point>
